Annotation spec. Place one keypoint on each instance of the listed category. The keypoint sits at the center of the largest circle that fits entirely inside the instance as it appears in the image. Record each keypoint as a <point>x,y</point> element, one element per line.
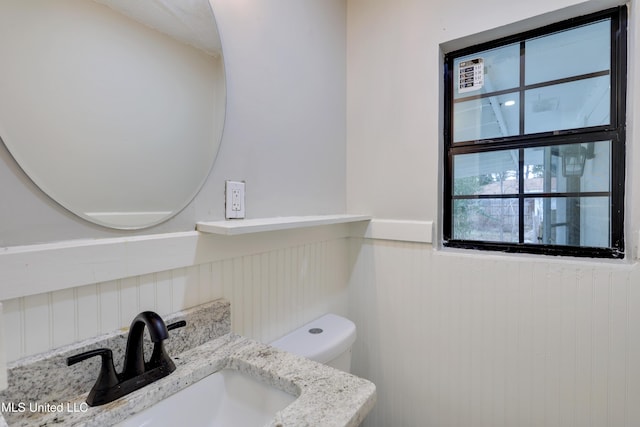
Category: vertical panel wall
<point>271,293</point>
<point>464,340</point>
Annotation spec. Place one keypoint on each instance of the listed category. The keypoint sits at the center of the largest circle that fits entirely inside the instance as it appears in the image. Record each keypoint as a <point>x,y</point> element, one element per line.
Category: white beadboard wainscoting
<point>454,339</point>
<point>450,338</point>
<point>275,281</point>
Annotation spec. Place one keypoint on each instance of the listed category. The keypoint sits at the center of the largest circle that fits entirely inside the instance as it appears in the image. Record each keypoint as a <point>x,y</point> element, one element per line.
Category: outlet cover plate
<point>234,199</point>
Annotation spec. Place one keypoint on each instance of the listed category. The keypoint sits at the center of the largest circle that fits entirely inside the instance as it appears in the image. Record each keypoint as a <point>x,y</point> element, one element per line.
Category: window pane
<point>490,220</point>
<point>577,104</point>
<point>501,70</point>
<point>568,53</point>
<point>490,117</point>
<point>544,172</point>
<point>494,172</point>
<point>574,221</point>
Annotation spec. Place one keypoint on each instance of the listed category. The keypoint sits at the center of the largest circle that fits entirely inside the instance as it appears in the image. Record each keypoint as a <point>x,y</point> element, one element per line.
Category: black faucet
<point>136,373</point>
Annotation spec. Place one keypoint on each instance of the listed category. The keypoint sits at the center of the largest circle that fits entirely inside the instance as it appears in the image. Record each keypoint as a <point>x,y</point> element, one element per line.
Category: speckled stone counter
<point>325,396</point>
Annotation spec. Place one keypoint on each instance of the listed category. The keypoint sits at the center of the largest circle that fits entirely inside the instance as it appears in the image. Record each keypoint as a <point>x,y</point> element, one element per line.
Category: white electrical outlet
<point>234,199</point>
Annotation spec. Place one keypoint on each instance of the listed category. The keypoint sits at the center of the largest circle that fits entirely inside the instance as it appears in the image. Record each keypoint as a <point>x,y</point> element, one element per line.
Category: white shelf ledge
<point>243,226</point>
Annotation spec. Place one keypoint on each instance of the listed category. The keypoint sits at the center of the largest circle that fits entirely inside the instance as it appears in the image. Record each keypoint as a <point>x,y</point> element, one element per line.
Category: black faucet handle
<point>176,325</point>
<point>107,378</point>
<point>107,355</point>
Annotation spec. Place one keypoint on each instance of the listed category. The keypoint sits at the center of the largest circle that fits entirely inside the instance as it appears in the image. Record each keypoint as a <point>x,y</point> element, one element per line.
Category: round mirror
<point>114,108</point>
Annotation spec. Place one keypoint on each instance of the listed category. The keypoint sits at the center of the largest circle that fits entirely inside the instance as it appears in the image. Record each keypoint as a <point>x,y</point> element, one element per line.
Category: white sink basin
<point>225,398</point>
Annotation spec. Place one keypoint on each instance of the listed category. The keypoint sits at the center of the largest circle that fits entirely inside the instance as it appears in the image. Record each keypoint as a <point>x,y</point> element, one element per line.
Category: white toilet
<point>326,340</point>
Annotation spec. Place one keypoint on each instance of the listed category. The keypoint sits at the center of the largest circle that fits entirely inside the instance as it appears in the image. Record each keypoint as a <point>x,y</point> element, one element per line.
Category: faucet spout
<point>134,355</point>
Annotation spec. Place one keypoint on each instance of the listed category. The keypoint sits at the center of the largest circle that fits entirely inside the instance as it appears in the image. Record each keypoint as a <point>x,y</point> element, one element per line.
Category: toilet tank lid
<point>321,340</point>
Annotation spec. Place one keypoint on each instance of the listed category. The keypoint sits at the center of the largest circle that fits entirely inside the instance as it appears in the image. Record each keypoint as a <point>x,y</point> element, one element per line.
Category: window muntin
<point>535,156</point>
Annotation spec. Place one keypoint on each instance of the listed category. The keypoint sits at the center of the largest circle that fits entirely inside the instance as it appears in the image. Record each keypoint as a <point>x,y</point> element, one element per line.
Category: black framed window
<point>534,133</point>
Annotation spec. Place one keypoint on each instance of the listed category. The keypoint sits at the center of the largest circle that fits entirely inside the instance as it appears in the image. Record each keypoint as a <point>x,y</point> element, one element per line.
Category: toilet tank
<point>327,340</point>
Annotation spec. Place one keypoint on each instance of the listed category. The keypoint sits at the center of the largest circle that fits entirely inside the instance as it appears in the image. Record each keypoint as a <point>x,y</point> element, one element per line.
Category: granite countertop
<point>325,396</point>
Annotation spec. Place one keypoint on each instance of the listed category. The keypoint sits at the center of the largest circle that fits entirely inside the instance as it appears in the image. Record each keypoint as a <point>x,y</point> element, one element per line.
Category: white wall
<point>457,338</point>
<point>284,135</point>
<point>284,132</point>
